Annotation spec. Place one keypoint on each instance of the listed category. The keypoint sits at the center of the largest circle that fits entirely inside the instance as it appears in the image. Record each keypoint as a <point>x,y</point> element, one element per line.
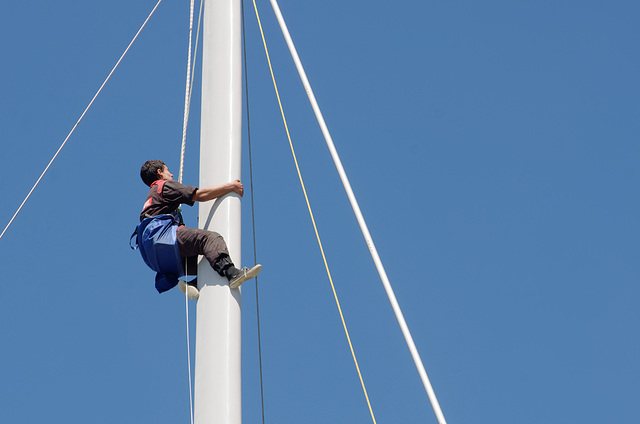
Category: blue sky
<point>492,146</point>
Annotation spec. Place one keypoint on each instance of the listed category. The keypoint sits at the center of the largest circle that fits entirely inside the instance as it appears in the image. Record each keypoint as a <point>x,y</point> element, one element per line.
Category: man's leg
<point>193,242</point>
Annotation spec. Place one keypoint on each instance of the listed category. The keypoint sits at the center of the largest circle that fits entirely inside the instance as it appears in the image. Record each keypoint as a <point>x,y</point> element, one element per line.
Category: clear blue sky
<point>493,147</point>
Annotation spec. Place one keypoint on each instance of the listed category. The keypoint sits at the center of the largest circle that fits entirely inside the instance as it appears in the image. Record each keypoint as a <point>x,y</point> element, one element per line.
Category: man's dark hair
<point>149,171</point>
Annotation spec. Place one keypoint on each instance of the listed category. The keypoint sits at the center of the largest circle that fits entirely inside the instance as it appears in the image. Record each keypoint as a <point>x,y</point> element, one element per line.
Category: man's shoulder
<point>173,184</point>
<point>173,191</point>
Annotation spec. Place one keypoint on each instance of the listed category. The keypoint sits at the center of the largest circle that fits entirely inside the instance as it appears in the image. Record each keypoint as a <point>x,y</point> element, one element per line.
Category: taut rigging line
<point>356,209</point>
<point>79,119</point>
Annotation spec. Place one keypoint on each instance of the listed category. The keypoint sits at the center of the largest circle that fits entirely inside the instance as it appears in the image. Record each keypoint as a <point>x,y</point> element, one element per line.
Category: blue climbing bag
<point>158,245</point>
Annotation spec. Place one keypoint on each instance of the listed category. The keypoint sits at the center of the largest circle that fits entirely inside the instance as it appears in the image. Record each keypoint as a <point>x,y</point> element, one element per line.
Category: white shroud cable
<point>360,218</point>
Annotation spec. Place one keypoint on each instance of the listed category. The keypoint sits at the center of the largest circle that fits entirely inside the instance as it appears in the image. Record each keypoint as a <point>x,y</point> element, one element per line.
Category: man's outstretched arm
<point>213,192</point>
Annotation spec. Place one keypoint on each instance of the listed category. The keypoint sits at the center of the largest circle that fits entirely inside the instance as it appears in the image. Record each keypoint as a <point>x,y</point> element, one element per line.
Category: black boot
<point>224,266</point>
<point>232,272</point>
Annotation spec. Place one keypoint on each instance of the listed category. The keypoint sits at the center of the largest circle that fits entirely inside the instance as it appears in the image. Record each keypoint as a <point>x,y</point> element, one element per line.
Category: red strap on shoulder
<point>160,184</point>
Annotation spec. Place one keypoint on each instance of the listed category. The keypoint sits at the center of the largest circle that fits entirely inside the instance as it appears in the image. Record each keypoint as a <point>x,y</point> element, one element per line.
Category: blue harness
<point>158,245</point>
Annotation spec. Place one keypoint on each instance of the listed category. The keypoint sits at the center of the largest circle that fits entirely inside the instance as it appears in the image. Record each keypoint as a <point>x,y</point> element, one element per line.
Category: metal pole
<point>218,333</point>
<point>363,226</point>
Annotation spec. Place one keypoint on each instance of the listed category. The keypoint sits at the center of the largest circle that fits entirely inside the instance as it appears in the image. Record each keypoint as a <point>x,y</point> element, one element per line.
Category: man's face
<point>164,174</point>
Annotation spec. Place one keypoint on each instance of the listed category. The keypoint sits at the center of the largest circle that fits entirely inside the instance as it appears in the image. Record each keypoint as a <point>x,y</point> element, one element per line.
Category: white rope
<point>187,97</point>
<point>80,119</point>
<point>186,307</point>
<point>187,106</point>
<point>195,51</point>
<point>363,226</point>
<point>187,101</point>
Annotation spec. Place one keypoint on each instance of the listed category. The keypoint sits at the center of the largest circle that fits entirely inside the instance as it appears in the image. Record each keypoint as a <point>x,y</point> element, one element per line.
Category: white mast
<point>218,335</point>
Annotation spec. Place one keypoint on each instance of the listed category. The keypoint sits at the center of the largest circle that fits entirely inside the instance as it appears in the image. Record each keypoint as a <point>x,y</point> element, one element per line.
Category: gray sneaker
<point>244,275</point>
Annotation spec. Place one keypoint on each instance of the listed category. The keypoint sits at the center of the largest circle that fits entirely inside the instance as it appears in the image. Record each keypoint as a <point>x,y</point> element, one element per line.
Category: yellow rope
<point>284,119</point>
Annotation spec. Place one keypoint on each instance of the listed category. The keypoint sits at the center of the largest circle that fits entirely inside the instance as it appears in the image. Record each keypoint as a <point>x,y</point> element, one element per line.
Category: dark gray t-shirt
<point>166,196</point>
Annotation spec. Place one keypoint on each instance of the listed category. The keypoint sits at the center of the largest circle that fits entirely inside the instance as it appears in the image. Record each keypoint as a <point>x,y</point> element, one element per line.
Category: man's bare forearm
<point>209,193</point>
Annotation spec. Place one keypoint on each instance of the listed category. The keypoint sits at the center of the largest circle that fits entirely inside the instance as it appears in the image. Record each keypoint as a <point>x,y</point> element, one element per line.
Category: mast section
<point>218,332</point>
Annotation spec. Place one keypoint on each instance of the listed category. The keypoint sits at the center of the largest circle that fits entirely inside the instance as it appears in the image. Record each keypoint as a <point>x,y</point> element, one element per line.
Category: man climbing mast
<point>165,197</point>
